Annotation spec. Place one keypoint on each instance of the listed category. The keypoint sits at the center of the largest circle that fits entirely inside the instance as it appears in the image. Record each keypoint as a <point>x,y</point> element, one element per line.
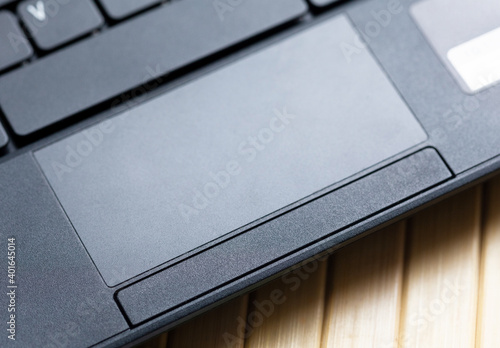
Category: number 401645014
<point>11,256</point>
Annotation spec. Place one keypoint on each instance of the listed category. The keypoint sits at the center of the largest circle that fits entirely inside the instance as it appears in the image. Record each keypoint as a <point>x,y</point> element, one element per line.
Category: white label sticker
<point>478,60</point>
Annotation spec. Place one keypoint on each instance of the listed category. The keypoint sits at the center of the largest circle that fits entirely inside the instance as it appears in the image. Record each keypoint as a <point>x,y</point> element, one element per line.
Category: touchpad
<point>218,153</point>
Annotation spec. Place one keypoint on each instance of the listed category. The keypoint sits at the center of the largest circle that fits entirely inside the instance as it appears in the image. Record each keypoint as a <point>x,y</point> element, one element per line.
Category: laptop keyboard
<point>60,59</point>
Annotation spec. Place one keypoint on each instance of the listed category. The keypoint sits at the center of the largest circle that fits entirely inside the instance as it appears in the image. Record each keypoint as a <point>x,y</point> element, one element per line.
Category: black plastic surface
<point>129,55</point>
<point>5,2</point>
<point>12,51</point>
<point>118,9</point>
<point>464,128</point>
<point>447,24</point>
<point>60,300</point>
<point>184,174</point>
<point>51,25</point>
<point>202,273</point>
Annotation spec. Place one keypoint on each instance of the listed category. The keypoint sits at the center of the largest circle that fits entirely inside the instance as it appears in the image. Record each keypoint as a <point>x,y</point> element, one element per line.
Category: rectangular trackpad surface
<point>225,150</point>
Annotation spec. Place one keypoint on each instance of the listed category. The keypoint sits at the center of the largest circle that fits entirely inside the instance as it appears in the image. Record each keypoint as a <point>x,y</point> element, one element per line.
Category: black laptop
<point>159,158</point>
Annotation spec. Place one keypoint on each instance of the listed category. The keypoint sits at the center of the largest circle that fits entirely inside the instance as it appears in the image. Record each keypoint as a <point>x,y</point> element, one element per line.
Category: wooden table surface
<point>432,280</point>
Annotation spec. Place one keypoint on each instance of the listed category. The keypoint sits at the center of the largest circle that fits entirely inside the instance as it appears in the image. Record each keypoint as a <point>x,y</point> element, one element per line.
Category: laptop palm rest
<point>190,166</point>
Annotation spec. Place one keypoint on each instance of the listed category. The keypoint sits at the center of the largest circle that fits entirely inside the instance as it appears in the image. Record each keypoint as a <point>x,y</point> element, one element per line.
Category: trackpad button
<point>225,150</point>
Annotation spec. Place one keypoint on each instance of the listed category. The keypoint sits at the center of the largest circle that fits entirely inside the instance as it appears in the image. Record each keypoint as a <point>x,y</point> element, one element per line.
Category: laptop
<point>159,158</point>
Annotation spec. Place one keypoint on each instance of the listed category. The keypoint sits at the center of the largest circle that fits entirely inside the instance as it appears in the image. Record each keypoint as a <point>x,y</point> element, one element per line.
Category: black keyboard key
<point>119,9</point>
<point>3,138</point>
<point>14,47</point>
<point>129,55</point>
<point>52,23</point>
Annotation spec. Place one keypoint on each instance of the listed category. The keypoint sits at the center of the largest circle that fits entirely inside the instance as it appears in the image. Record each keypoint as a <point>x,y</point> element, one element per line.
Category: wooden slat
<point>288,312</point>
<point>220,327</point>
<point>441,275</point>
<point>156,342</point>
<point>488,333</point>
<point>365,290</point>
